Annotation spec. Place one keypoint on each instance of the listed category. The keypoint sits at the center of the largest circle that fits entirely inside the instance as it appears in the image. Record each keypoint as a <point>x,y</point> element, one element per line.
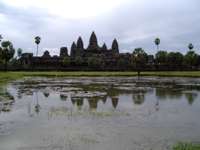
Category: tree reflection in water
<point>63,97</point>
<point>157,105</point>
<point>79,103</point>
<point>191,97</point>
<point>30,109</point>
<point>138,98</point>
<point>175,94</point>
<point>166,93</point>
<point>46,94</point>
<point>37,106</point>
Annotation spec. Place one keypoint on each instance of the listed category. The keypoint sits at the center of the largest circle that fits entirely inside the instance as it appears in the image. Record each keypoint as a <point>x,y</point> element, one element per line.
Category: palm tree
<point>190,46</point>
<point>157,42</point>
<point>37,41</point>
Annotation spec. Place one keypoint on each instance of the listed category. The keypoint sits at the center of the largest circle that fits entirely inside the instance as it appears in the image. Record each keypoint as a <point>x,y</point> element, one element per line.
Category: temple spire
<point>73,50</point>
<point>93,43</point>
<point>63,52</point>
<point>104,47</point>
<point>115,46</point>
<point>80,43</point>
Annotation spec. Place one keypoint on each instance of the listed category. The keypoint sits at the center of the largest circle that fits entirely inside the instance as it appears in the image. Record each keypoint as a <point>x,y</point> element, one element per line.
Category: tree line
<point>138,60</point>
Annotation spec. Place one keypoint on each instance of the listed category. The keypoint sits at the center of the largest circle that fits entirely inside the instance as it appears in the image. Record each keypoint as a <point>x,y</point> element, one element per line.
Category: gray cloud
<point>134,24</point>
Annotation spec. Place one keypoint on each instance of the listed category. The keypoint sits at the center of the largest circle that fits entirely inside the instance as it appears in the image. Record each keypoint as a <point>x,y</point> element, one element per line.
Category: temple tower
<point>104,47</point>
<point>46,54</point>
<point>73,50</point>
<point>115,46</point>
<point>93,43</point>
<point>79,47</point>
<point>80,43</point>
<point>63,52</point>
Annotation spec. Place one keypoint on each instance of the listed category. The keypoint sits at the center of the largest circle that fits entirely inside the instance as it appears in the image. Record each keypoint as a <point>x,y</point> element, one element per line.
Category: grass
<point>186,146</point>
<point>8,76</point>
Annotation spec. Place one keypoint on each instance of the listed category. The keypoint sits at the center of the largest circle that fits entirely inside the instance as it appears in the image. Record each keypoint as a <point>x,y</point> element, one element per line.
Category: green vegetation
<point>161,57</point>
<point>186,146</point>
<point>139,59</point>
<point>7,52</point>
<point>191,58</point>
<point>66,61</point>
<point>8,76</point>
<point>98,58</point>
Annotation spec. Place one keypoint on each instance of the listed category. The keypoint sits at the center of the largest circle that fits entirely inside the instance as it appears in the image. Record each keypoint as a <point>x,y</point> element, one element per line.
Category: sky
<point>134,23</point>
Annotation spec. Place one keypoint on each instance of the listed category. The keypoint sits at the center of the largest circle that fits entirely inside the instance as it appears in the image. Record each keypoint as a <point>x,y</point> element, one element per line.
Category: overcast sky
<point>135,23</point>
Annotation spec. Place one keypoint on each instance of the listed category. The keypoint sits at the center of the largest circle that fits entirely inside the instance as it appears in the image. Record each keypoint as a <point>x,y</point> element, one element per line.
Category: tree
<point>8,52</point>
<point>139,59</point>
<point>175,59</point>
<point>19,52</point>
<point>66,61</point>
<point>190,46</point>
<point>161,57</point>
<point>157,43</point>
<point>139,98</point>
<point>191,58</point>
<point>37,41</point>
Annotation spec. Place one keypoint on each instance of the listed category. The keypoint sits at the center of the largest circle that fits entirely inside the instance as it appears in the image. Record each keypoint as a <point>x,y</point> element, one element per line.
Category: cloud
<point>134,23</point>
<point>76,9</point>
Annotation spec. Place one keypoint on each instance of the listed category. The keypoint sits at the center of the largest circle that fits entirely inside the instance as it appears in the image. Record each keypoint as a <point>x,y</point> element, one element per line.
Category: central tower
<point>93,43</point>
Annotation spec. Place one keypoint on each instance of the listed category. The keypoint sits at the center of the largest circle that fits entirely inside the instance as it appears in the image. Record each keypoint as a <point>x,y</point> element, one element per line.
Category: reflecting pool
<point>99,113</point>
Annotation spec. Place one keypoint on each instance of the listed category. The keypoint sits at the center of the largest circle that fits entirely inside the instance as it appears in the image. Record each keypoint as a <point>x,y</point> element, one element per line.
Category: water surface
<point>99,113</point>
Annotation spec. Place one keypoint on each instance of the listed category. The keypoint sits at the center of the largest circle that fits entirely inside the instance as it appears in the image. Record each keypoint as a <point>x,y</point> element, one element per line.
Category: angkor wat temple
<point>94,57</point>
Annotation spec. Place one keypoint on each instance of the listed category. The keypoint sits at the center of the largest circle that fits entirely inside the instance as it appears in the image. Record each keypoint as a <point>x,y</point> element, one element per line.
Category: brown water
<point>99,113</point>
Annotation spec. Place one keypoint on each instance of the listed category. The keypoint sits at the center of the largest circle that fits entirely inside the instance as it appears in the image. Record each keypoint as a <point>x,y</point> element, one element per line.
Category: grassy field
<point>186,146</point>
<point>7,76</point>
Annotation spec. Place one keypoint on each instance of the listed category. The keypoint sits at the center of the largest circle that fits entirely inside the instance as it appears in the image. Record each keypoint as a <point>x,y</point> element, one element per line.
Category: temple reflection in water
<point>113,98</point>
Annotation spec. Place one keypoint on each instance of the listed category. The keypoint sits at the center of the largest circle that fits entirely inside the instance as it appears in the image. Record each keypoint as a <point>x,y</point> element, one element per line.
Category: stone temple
<point>79,57</point>
<point>77,49</point>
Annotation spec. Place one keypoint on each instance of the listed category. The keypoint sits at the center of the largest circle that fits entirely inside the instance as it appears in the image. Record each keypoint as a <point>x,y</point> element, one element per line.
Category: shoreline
<point>11,75</point>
